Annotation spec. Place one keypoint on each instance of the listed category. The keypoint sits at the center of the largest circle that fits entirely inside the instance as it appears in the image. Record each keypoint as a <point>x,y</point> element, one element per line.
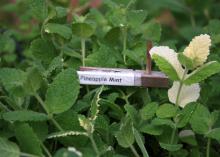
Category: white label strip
<point>121,78</point>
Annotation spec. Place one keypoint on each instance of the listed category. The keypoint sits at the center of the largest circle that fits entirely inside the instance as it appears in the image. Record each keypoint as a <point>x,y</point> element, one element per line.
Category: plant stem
<point>176,103</point>
<point>124,29</point>
<point>28,155</point>
<point>4,107</point>
<point>47,111</point>
<point>173,135</point>
<point>83,49</point>
<point>41,102</point>
<point>208,147</point>
<point>46,150</point>
<point>130,3</point>
<point>180,87</point>
<point>134,151</point>
<point>56,124</point>
<point>94,145</point>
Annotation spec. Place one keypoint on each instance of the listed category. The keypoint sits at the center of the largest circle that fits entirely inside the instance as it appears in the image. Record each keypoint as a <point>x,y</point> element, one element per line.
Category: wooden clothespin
<point>124,77</point>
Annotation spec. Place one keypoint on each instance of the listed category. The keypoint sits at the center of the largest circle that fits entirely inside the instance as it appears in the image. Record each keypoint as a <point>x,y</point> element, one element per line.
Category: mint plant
<point>45,112</point>
<point>185,89</point>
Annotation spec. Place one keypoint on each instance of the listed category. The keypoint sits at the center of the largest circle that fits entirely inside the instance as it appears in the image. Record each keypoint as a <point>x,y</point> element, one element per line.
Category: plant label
<point>121,78</point>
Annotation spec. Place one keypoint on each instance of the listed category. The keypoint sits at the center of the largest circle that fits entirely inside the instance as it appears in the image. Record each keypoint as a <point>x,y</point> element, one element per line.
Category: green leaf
<point>203,72</point>
<point>149,110</point>
<point>214,134</point>
<point>82,30</point>
<point>103,57</point>
<point>181,152</point>
<point>151,129</point>
<point>117,17</point>
<point>33,82</point>
<point>66,133</point>
<point>94,110</point>
<point>151,31</point>
<point>13,80</point>
<point>24,115</point>
<point>160,122</point>
<point>113,36</point>
<point>140,143</point>
<point>200,119</point>
<point>188,136</point>
<point>166,67</point>
<point>166,111</point>
<point>184,116</point>
<point>56,63</point>
<point>40,128</point>
<point>39,9</point>
<point>59,29</point>
<point>185,61</point>
<point>86,124</point>
<point>63,91</point>
<point>171,147</point>
<point>8,149</point>
<point>136,17</point>
<point>28,140</point>
<point>214,117</point>
<point>67,153</point>
<point>43,50</point>
<point>132,113</point>
<point>125,136</point>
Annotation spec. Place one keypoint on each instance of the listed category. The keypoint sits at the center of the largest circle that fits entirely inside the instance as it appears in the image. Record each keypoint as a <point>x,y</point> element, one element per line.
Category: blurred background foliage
<point>170,23</point>
<point>179,21</point>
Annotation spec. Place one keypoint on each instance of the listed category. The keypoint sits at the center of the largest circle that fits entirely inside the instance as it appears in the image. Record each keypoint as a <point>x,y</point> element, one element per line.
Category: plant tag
<point>119,78</point>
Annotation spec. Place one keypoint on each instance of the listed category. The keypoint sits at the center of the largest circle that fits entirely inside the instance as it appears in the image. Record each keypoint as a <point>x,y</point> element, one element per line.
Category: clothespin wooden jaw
<point>124,77</point>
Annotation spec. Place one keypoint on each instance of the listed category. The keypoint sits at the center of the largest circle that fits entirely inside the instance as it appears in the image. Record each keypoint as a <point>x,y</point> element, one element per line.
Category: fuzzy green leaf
<point>214,134</point>
<point>125,136</point>
<point>103,57</point>
<point>94,110</point>
<point>43,50</point>
<point>66,133</point>
<point>68,153</point>
<point>151,129</point>
<point>56,63</point>
<point>160,122</point>
<point>13,80</point>
<point>59,29</point>
<point>166,111</point>
<point>200,119</point>
<point>184,116</point>
<point>140,143</point>
<point>166,67</point>
<point>28,140</point>
<point>24,116</point>
<point>171,147</point>
<point>63,91</point>
<point>83,30</point>
<point>136,17</point>
<point>151,31</point>
<point>8,149</point>
<point>38,9</point>
<point>203,72</point>
<point>149,110</point>
<point>86,124</point>
<point>33,82</point>
<point>185,61</point>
